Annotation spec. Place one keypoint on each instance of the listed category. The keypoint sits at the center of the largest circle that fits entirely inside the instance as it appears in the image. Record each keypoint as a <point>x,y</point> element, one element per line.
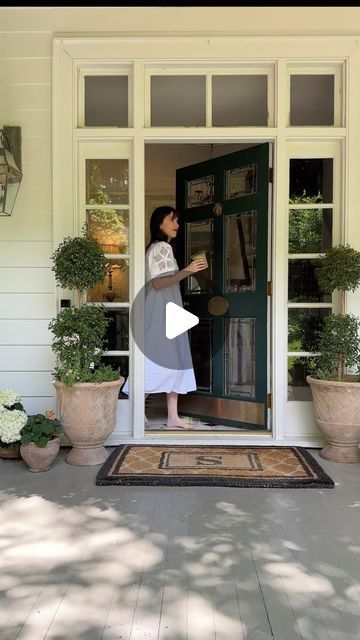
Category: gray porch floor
<point>130,563</point>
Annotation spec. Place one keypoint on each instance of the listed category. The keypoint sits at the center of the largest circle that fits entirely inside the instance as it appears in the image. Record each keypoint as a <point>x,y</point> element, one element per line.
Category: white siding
<point>27,300</point>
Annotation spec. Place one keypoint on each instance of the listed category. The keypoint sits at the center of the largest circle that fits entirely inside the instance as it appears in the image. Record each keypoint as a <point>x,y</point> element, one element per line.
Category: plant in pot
<point>12,419</point>
<point>335,379</point>
<point>87,389</point>
<point>40,441</point>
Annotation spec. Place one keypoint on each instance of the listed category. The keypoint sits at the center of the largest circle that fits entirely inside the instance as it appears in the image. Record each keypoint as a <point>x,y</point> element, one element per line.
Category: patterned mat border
<point>323,480</point>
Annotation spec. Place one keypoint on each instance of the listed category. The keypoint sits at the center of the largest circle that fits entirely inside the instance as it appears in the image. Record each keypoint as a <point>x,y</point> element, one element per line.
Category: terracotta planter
<point>10,453</point>
<point>337,415</point>
<point>88,417</point>
<point>40,458</point>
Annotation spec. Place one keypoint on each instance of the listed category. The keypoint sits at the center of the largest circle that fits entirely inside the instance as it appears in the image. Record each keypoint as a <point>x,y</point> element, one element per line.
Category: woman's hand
<point>197,265</point>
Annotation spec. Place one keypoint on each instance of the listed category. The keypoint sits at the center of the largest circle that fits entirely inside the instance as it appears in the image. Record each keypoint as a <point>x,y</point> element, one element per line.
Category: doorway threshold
<point>158,427</point>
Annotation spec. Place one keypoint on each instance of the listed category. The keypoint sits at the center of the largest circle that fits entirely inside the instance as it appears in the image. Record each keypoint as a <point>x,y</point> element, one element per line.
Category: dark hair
<point>157,217</point>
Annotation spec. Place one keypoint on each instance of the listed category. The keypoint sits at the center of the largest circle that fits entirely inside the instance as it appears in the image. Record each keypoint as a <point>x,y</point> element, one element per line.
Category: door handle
<point>217,306</point>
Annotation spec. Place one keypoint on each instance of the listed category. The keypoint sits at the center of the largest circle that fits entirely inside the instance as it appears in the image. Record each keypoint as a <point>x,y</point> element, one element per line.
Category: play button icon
<point>178,320</point>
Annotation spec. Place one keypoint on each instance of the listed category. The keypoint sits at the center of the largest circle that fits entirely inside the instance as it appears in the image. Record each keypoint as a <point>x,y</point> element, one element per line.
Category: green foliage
<point>305,225</point>
<point>79,263</point>
<point>339,347</point>
<point>339,344</point>
<point>39,429</point>
<point>79,332</point>
<point>340,269</point>
<point>305,230</point>
<point>79,339</point>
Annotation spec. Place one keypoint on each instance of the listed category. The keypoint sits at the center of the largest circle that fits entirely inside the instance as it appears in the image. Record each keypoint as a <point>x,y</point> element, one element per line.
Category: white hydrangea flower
<point>11,423</point>
<point>8,397</point>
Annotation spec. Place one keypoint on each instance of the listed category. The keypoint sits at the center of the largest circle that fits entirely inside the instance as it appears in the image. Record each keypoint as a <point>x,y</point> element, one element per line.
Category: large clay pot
<point>40,458</point>
<point>88,417</point>
<point>337,415</point>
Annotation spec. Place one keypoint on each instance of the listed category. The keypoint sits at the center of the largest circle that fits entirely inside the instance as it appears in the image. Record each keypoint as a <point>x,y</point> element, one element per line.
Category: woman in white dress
<point>168,363</point>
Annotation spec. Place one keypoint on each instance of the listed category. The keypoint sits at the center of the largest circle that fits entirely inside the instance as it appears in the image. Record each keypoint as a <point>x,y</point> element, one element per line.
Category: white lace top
<point>159,260</point>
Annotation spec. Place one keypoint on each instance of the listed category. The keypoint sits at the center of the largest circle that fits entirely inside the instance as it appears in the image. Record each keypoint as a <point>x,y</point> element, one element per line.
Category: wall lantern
<point>10,168</point>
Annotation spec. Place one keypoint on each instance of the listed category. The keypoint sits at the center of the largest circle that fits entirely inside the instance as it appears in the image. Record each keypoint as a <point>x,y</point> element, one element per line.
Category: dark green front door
<point>225,205</point>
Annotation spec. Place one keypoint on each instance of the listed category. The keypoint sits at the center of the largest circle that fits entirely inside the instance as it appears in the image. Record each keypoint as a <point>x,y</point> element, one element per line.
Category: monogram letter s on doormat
<point>227,466</point>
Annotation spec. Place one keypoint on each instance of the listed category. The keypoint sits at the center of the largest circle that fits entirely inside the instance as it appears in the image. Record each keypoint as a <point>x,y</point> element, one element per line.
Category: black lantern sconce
<point>10,168</point>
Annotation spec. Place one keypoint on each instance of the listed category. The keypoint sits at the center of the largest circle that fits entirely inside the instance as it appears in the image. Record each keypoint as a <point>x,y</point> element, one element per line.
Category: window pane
<point>240,357</point>
<point>240,265</point>
<point>312,100</point>
<point>303,283</point>
<point>241,181</point>
<point>199,240</point>
<point>311,180</point>
<point>298,369</point>
<point>310,230</point>
<point>121,364</point>
<point>107,181</point>
<point>178,101</point>
<point>117,334</point>
<point>115,287</point>
<point>199,191</point>
<point>106,101</point>
<point>304,327</point>
<point>239,100</point>
<point>110,227</point>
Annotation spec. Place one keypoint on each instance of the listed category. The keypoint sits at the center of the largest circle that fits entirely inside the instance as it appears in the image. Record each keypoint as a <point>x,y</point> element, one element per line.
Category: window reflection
<point>304,328</point>
<point>310,230</point>
<point>303,282</point>
<point>115,287</point>
<point>117,333</point>
<point>199,239</point>
<point>110,227</point>
<point>107,181</point>
<point>241,181</point>
<point>240,268</point>
<point>240,357</point>
<point>298,369</point>
<point>199,192</point>
<point>311,180</point>
<point>120,364</point>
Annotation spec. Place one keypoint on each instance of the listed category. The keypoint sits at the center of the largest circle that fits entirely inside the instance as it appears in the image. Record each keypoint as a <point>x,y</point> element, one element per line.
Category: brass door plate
<point>217,306</point>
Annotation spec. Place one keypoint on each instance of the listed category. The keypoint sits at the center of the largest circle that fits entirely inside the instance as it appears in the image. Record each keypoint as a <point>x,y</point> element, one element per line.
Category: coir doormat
<point>225,466</point>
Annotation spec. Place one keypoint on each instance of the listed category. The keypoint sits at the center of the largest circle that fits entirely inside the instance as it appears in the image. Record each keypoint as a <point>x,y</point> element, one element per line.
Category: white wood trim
<point>246,48</point>
<point>204,52</point>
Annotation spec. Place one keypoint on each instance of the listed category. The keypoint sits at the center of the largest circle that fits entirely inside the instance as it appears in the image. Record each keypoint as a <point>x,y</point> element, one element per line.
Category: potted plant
<point>336,371</point>
<point>87,389</point>
<point>12,419</point>
<point>40,441</point>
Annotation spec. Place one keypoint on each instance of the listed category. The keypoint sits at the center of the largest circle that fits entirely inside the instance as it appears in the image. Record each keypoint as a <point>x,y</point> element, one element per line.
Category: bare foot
<point>179,424</point>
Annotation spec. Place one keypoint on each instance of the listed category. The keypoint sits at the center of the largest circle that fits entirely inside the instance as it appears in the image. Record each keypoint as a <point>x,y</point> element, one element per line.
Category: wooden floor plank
<point>147,610</point>
<point>83,562</point>
<point>174,605</point>
<point>130,563</point>
<point>237,594</point>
